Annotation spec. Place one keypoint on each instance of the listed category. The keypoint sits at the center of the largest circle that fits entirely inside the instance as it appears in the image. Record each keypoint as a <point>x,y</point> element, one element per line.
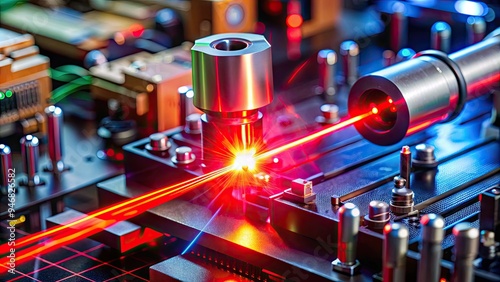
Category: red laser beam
<point>98,220</point>
<point>313,136</point>
<point>91,224</point>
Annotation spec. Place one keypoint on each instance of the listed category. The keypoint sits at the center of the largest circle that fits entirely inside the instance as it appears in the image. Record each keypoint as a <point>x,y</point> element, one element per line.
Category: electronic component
<point>394,252</point>
<point>329,114</point>
<point>232,79</point>
<point>404,55</point>
<point>430,247</point>
<point>441,37</point>
<point>455,79</point>
<point>465,251</point>
<point>146,86</point>
<point>24,84</point>
<point>347,237</point>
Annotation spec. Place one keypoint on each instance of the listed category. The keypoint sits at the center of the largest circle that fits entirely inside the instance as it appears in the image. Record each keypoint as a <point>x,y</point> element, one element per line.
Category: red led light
<point>119,156</point>
<point>110,152</point>
<point>274,6</point>
<point>294,20</point>
<point>374,110</point>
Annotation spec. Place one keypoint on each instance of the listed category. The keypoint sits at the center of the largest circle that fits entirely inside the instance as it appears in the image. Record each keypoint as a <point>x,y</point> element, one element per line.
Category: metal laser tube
<point>432,87</point>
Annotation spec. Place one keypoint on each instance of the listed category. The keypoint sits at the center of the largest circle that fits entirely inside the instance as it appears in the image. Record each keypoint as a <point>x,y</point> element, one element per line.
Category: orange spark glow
<point>245,160</point>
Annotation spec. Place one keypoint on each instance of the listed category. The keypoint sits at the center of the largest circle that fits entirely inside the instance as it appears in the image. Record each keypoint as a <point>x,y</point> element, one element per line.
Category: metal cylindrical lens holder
<point>232,79</point>
<point>430,88</point>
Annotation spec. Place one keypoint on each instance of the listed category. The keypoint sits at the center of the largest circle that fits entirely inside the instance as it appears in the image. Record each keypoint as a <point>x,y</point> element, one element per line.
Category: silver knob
<point>193,124</point>
<point>158,142</point>
<point>183,155</point>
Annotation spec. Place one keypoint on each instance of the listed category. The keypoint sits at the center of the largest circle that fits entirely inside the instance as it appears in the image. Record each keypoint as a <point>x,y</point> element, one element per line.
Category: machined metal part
<point>327,62</point>
<point>193,124</point>
<point>425,156</point>
<point>476,29</point>
<point>425,90</point>
<point>158,142</point>
<point>5,165</point>
<point>232,79</point>
<point>30,154</point>
<point>378,215</point>
<point>389,58</point>
<point>405,54</point>
<point>441,36</point>
<point>183,155</point>
<point>394,252</point>
<point>405,164</point>
<point>329,114</point>
<point>54,127</point>
<point>348,228</point>
<point>464,252</point>
<point>402,197</point>
<point>399,27</point>
<point>349,51</point>
<point>432,234</point>
<point>232,72</point>
<point>300,191</point>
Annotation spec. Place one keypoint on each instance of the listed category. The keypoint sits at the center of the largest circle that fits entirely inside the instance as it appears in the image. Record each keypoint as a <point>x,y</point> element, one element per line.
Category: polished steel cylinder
<point>432,234</point>
<point>327,61</point>
<point>29,153</point>
<point>476,29</point>
<point>349,218</point>
<point>464,252</point>
<point>5,164</point>
<point>349,51</point>
<point>54,135</point>
<point>399,27</point>
<point>441,37</point>
<point>394,252</point>
<point>232,72</point>
<point>412,95</point>
<point>405,164</point>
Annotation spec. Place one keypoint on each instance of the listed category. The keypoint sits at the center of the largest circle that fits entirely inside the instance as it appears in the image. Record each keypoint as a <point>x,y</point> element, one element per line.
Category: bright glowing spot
<point>469,8</point>
<point>276,160</point>
<point>8,93</point>
<point>374,110</point>
<point>2,95</point>
<point>136,30</point>
<point>244,160</point>
<point>190,94</point>
<point>294,20</point>
<point>390,100</point>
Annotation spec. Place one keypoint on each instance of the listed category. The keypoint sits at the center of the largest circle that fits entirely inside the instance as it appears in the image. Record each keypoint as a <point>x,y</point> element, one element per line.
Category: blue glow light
<point>470,8</point>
